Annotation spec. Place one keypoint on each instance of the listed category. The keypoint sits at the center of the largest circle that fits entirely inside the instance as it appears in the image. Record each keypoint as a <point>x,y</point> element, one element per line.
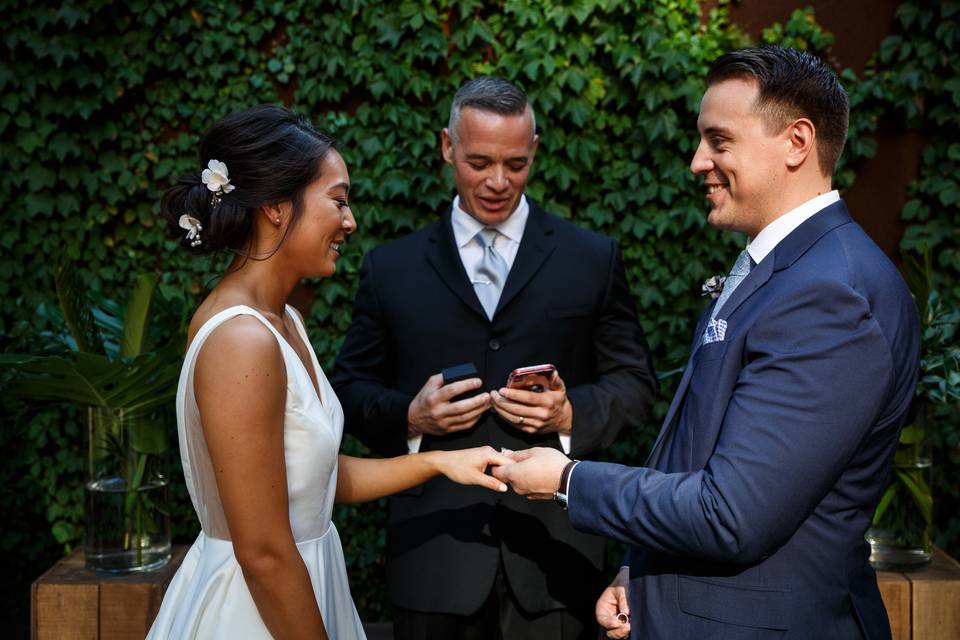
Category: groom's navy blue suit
<point>748,520</point>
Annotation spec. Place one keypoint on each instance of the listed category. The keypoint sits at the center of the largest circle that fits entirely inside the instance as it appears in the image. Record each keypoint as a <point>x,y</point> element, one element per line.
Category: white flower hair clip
<point>193,227</point>
<point>217,179</point>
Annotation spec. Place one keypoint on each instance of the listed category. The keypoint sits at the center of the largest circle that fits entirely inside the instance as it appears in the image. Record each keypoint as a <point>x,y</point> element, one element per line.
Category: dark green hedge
<point>102,104</point>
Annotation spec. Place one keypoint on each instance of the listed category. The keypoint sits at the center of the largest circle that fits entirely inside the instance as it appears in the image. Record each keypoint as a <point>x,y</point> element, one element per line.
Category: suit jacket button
<point>494,345</point>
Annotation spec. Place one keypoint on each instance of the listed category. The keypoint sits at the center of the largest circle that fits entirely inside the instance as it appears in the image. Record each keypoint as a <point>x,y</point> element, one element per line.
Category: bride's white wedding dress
<point>208,597</point>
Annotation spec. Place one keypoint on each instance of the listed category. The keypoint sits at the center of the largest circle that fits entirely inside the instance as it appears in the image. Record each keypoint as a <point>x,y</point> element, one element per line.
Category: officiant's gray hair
<point>491,94</point>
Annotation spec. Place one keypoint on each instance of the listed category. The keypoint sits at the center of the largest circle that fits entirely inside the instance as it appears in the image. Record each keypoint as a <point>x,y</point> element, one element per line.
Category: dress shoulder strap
<point>219,318</point>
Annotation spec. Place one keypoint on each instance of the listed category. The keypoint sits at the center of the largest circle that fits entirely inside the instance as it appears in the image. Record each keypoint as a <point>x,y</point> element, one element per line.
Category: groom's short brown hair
<point>792,84</point>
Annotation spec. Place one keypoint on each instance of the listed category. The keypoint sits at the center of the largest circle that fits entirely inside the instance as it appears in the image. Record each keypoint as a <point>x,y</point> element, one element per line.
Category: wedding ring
<point>520,421</point>
<point>623,618</point>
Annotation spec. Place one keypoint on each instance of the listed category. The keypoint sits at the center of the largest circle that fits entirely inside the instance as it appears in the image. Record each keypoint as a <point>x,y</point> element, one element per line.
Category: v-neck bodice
<point>208,597</point>
<point>312,429</point>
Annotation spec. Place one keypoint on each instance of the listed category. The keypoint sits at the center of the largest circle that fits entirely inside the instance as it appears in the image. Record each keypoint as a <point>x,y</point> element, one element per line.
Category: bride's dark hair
<point>271,154</point>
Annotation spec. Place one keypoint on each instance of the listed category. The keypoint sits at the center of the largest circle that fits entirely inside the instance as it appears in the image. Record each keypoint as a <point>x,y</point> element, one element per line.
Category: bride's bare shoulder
<point>211,306</point>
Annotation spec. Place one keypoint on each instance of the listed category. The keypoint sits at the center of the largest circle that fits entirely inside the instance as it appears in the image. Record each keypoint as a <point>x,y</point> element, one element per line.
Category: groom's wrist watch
<point>560,495</point>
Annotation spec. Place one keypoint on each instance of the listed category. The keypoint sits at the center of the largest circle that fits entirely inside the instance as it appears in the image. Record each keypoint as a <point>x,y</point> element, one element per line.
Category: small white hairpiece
<point>193,227</point>
<point>217,178</point>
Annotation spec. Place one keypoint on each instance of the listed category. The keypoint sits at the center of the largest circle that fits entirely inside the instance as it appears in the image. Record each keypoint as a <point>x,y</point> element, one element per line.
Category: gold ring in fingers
<point>520,421</point>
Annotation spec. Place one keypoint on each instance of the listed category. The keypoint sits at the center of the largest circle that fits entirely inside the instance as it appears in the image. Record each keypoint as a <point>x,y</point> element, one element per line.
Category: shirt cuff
<point>570,482</point>
<point>413,444</point>
<point>565,442</point>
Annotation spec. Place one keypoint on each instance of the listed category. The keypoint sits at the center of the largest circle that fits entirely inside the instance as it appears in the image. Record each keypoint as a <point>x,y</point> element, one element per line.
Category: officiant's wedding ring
<point>623,618</point>
<point>520,421</point>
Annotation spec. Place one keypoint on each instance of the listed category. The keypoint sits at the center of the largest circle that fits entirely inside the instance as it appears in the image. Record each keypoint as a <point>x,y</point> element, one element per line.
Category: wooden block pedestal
<point>924,604</point>
<point>70,602</point>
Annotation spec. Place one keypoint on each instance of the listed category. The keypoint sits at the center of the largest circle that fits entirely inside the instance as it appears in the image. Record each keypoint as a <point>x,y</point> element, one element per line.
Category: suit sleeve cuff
<point>570,481</point>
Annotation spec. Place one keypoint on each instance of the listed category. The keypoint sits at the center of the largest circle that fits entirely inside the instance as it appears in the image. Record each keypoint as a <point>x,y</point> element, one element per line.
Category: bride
<point>258,423</point>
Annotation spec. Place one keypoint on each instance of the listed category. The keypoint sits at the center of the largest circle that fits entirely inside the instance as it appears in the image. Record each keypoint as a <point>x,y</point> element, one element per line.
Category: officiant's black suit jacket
<point>565,302</point>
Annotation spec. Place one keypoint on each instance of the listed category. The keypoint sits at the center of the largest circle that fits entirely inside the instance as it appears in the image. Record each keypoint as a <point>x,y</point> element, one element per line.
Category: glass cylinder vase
<point>901,536</point>
<point>126,514</point>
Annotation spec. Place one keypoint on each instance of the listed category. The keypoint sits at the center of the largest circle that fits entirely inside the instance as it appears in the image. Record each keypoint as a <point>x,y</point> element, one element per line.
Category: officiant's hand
<point>613,607</point>
<point>547,411</point>
<point>535,473</point>
<point>431,410</point>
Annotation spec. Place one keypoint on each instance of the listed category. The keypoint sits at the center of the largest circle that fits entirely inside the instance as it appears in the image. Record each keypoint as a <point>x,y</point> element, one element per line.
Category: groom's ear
<point>801,137</point>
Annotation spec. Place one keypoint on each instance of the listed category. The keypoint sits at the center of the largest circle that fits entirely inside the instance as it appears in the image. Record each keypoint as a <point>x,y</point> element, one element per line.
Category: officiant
<point>496,283</point>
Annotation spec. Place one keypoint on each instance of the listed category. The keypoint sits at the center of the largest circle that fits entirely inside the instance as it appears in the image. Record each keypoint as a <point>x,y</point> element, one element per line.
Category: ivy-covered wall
<point>101,105</point>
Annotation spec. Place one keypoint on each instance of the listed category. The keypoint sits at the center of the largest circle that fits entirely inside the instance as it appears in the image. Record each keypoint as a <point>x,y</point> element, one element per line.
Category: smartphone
<point>535,378</point>
<point>456,374</point>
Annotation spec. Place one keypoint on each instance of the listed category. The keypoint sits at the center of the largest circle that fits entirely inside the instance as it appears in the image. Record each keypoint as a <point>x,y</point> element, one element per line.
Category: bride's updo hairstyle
<point>270,155</point>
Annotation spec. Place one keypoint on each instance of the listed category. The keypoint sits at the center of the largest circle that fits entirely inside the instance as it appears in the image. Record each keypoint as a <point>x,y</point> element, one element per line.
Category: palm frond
<point>138,309</point>
<point>76,309</point>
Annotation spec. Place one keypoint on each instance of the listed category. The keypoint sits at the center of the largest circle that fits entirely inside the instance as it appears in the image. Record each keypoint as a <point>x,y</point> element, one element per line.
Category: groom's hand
<point>547,411</point>
<point>431,410</point>
<point>536,472</point>
<point>613,607</point>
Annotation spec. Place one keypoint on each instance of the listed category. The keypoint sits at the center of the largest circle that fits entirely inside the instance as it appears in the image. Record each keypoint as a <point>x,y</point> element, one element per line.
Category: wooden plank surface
<point>64,603</point>
<point>70,602</point>
<point>936,599</point>
<point>895,591</point>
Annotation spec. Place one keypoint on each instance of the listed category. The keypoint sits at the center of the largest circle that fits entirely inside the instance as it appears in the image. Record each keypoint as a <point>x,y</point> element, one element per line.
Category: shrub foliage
<point>102,105</point>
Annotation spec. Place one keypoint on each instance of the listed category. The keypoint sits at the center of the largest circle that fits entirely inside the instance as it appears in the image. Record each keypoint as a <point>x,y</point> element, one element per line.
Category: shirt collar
<point>465,226</point>
<point>773,233</point>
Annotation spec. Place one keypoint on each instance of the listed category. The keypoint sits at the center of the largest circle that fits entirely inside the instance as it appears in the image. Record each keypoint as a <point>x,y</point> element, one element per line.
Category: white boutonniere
<point>712,286</point>
<point>217,178</point>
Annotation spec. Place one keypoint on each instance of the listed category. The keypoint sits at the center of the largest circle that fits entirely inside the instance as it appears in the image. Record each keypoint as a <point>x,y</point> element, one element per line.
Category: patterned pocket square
<point>715,331</point>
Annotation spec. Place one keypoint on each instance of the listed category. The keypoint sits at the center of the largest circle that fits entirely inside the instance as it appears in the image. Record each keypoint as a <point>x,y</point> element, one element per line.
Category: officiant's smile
<point>491,155</point>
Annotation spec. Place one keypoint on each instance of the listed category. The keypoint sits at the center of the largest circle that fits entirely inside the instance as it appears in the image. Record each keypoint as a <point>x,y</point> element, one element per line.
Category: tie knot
<point>487,237</point>
<point>743,264</point>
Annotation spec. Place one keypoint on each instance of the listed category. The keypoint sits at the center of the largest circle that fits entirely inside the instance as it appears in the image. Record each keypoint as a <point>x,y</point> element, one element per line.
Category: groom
<point>748,519</point>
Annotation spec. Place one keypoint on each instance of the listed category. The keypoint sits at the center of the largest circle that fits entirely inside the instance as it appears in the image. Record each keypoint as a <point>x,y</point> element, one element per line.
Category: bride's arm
<point>240,384</point>
<point>364,479</point>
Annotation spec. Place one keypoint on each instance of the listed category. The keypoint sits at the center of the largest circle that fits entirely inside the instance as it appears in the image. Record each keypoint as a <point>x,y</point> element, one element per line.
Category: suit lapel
<point>804,236</point>
<point>537,244</point>
<point>757,277</point>
<point>443,256</point>
<point>669,422</point>
<point>785,254</point>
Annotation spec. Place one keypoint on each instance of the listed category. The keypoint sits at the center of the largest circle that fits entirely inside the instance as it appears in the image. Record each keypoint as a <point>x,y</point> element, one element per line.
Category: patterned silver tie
<point>740,270</point>
<point>491,272</point>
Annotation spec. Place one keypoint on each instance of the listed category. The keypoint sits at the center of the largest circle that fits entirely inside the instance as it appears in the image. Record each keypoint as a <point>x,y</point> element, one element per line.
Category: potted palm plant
<point>100,362</point>
<point>902,528</point>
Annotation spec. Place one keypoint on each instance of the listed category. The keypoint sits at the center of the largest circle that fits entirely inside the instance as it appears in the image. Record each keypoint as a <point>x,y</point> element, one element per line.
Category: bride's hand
<point>468,466</point>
